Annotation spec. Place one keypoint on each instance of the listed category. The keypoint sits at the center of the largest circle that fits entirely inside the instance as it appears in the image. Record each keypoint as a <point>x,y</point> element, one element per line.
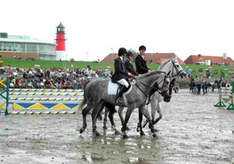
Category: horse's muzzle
<point>166,97</point>
<point>183,74</point>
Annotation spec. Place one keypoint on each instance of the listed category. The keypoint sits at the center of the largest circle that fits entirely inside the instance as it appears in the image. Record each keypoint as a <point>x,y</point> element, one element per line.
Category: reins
<point>150,86</point>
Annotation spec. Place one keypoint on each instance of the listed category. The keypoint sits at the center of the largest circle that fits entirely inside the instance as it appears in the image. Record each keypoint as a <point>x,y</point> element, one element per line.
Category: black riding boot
<point>120,93</point>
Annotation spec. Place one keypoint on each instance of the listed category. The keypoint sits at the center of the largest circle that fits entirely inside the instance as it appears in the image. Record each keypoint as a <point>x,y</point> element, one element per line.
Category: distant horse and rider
<point>133,95</point>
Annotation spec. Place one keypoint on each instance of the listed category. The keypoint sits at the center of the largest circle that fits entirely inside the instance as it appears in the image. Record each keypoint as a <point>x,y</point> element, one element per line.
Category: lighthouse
<point>60,42</point>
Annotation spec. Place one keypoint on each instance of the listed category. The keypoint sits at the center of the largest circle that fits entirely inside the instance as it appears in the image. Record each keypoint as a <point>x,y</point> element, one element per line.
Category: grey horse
<point>95,96</point>
<point>155,99</point>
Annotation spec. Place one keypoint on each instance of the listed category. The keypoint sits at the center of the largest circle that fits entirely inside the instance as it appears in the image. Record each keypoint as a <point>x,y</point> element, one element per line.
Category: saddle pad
<point>112,88</point>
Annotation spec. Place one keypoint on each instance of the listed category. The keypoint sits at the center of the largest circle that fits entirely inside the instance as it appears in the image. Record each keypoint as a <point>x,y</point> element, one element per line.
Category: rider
<point>121,74</point>
<point>140,62</point>
<point>141,66</point>
<point>128,63</point>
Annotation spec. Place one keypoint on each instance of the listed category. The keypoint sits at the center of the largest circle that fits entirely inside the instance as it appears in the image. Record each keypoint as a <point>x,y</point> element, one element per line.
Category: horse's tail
<point>84,101</point>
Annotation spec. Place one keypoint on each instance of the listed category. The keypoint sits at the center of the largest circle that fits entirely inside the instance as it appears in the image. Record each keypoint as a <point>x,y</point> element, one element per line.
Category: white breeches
<point>123,82</point>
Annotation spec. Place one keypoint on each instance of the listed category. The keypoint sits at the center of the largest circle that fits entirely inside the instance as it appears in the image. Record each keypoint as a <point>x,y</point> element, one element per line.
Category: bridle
<point>178,72</point>
<point>154,86</point>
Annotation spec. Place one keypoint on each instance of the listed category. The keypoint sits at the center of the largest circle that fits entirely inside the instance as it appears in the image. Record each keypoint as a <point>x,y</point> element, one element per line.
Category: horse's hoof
<point>117,132</point>
<point>125,136</point>
<point>97,134</point>
<point>155,130</point>
<point>142,133</point>
<point>138,129</point>
<point>154,135</point>
<point>81,130</point>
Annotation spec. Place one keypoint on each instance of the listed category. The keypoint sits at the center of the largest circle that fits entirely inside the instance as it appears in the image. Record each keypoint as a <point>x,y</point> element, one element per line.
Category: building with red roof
<point>209,60</point>
<point>156,58</point>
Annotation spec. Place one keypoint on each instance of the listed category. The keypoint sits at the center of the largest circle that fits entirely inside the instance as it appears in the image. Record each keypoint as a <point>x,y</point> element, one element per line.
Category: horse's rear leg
<point>95,113</point>
<point>85,111</point>
<point>111,118</point>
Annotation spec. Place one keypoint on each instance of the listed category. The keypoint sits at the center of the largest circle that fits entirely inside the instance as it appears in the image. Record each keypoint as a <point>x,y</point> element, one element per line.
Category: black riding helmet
<point>142,47</point>
<point>122,51</point>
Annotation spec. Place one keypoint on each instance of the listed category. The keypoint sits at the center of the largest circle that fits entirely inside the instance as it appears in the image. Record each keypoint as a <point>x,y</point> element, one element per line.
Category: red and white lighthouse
<point>60,42</point>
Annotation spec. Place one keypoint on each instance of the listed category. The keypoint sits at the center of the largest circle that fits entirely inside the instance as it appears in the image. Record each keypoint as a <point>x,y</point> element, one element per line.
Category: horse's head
<point>177,69</point>
<point>166,90</point>
<point>172,68</point>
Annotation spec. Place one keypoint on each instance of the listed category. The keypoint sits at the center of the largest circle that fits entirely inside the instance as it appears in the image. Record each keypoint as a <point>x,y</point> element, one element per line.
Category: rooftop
<point>24,39</point>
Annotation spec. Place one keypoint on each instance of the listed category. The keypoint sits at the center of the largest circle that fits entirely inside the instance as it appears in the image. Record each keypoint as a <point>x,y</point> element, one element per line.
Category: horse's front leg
<point>139,126</point>
<point>120,112</point>
<point>147,116</point>
<point>127,116</point>
<point>158,109</point>
<point>154,107</point>
<point>105,118</point>
<point>140,117</point>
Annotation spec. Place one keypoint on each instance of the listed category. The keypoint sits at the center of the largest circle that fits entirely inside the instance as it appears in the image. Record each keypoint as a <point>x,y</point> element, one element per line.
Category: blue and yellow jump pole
<point>5,84</point>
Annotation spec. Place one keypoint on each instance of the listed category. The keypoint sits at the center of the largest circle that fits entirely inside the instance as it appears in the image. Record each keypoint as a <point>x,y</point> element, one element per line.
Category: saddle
<point>113,88</point>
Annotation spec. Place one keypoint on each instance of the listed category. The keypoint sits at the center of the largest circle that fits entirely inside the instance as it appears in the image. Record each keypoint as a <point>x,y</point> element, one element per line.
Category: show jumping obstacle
<point>40,101</point>
<point>226,96</point>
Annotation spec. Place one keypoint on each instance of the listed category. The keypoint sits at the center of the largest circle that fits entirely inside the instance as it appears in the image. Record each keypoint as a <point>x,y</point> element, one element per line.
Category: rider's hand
<point>130,74</point>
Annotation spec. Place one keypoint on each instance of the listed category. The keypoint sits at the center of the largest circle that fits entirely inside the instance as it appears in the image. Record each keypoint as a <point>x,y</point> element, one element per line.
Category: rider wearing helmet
<point>121,74</point>
<point>128,63</point>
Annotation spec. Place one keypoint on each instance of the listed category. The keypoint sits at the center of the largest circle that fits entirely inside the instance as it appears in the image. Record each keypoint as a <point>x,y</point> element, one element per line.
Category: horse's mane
<point>150,74</point>
<point>163,64</point>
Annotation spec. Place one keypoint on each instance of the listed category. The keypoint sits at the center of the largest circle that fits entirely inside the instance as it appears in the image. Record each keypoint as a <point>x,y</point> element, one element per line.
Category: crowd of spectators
<point>54,78</point>
<point>198,86</point>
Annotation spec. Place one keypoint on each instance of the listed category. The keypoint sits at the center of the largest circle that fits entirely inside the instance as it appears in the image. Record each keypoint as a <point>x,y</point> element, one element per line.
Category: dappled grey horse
<point>155,107</point>
<point>95,96</point>
<point>176,71</point>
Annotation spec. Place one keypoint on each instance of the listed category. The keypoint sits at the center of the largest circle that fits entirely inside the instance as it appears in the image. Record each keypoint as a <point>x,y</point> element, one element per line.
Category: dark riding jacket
<point>141,66</point>
<point>120,71</point>
<point>130,67</point>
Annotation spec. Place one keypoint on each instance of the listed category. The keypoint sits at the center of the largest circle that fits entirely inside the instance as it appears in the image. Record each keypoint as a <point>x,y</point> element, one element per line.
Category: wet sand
<point>192,131</point>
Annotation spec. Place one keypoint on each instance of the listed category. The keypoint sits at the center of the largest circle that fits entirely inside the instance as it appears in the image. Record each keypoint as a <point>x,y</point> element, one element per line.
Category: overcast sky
<point>95,28</point>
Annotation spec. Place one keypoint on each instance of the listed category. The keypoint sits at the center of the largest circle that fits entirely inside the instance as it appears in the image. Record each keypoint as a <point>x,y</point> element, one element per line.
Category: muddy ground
<point>192,131</point>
